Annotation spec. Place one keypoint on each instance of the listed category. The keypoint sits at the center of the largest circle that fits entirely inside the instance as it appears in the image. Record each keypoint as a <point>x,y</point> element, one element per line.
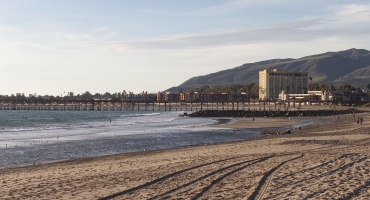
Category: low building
<point>326,96</point>
<point>160,96</point>
<point>167,97</point>
<point>187,96</point>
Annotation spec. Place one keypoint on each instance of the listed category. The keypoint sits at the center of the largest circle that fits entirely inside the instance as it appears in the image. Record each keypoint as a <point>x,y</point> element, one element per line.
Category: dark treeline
<point>249,89</point>
<point>330,87</point>
<point>117,96</point>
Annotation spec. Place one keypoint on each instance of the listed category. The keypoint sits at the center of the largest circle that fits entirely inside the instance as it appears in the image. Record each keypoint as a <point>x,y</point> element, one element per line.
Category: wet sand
<point>328,160</point>
<point>248,123</point>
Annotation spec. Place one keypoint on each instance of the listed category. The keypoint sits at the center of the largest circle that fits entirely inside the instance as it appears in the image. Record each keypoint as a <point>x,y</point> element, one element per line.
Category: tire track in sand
<point>164,178</point>
<point>211,186</point>
<point>266,179</point>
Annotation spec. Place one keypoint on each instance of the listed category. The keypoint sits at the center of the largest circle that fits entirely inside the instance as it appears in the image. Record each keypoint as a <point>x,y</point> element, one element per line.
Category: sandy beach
<point>327,160</point>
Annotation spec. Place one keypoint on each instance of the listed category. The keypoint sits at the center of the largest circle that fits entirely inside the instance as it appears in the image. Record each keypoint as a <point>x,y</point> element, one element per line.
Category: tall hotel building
<point>272,83</point>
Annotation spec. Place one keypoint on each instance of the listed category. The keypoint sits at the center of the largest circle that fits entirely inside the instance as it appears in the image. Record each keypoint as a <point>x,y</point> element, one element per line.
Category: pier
<point>107,105</point>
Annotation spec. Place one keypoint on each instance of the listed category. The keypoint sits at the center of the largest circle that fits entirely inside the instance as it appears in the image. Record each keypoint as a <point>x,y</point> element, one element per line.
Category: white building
<point>272,83</point>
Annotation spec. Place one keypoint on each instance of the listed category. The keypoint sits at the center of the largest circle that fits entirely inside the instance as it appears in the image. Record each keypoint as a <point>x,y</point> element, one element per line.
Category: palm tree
<point>310,82</point>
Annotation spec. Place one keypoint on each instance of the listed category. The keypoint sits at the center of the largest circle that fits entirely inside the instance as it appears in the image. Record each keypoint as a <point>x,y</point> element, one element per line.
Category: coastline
<point>224,130</point>
<point>230,170</point>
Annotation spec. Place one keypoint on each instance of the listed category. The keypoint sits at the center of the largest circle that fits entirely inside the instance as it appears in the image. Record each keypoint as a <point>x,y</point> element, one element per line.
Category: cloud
<point>7,28</point>
<point>352,10</point>
<point>218,9</point>
<point>236,5</point>
<point>351,13</point>
<point>226,7</point>
<point>99,29</point>
<point>293,31</point>
<point>44,47</point>
<point>287,31</point>
<point>333,24</point>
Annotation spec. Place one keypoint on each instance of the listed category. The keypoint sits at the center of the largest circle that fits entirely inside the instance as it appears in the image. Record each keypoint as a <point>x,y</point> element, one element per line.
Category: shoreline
<point>239,124</point>
<point>337,147</point>
<point>264,123</point>
<point>222,125</point>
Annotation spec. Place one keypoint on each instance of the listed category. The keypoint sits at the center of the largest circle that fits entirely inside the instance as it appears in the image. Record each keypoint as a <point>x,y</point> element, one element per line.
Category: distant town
<point>274,85</point>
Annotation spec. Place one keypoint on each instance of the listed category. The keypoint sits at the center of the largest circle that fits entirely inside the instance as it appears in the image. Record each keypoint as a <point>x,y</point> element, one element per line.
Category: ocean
<point>28,137</point>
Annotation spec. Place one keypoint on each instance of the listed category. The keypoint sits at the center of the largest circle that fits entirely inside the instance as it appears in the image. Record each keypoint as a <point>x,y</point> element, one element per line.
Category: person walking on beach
<point>360,120</point>
<point>253,119</point>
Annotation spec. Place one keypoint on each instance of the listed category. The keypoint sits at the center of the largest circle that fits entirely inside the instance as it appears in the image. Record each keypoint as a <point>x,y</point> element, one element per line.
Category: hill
<point>351,66</point>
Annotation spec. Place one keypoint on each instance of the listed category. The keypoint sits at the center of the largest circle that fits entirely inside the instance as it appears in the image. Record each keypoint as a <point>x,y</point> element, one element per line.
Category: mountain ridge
<point>350,66</point>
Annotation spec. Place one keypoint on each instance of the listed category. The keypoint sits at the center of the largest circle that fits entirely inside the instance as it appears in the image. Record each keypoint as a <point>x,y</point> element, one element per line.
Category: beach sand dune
<point>328,160</point>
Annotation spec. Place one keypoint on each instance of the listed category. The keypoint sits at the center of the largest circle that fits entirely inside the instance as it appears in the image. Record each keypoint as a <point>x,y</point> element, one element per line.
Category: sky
<point>60,46</point>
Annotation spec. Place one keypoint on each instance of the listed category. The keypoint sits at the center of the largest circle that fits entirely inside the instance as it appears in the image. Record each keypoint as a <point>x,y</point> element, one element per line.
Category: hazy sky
<point>51,47</point>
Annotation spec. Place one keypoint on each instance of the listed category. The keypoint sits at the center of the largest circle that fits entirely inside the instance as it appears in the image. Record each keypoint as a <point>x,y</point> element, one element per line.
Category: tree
<point>216,89</point>
<point>358,89</point>
<point>331,87</point>
<point>86,96</point>
<point>107,95</point>
<point>345,87</point>
<point>97,95</point>
<point>203,89</point>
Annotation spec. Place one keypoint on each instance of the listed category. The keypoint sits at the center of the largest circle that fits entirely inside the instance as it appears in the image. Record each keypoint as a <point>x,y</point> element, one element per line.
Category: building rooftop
<point>282,71</point>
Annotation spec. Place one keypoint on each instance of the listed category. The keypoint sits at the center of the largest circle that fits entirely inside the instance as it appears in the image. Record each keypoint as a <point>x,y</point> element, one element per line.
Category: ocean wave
<point>90,125</point>
<point>139,115</point>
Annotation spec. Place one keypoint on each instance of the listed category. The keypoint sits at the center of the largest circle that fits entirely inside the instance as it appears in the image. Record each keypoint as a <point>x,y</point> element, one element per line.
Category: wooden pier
<point>106,105</point>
